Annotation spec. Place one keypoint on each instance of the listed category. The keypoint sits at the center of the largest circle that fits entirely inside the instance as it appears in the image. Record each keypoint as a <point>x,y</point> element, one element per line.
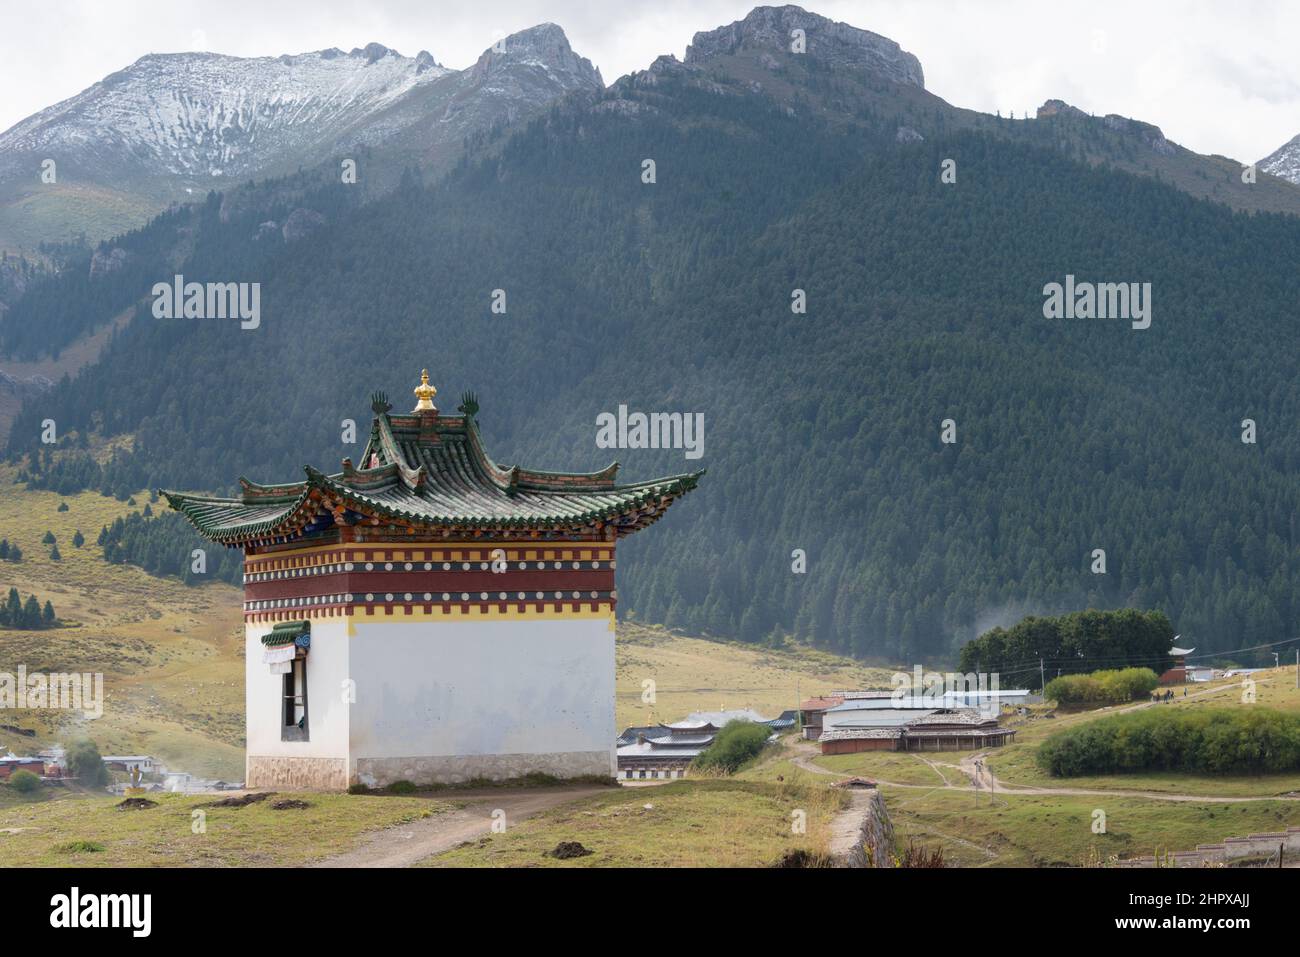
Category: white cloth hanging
<point>280,658</point>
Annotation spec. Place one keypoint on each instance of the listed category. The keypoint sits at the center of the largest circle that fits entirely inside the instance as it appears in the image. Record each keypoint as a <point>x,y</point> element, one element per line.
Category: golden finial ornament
<point>425,393</point>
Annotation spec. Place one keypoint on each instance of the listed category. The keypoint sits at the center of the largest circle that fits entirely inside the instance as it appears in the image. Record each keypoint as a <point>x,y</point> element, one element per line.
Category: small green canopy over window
<point>287,633</point>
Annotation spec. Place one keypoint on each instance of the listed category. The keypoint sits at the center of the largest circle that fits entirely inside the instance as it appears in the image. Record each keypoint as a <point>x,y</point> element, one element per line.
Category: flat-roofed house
<point>911,729</point>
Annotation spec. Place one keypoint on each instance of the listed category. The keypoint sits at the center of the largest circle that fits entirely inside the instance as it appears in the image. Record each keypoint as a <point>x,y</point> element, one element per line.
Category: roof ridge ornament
<point>425,393</point>
<point>379,403</point>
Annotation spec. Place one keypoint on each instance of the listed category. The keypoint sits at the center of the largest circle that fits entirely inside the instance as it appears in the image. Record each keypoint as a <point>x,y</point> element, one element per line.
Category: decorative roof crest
<point>425,393</point>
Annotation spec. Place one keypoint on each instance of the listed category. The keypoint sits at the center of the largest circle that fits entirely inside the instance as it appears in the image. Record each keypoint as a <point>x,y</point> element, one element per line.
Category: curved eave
<point>641,495</point>
<point>205,513</point>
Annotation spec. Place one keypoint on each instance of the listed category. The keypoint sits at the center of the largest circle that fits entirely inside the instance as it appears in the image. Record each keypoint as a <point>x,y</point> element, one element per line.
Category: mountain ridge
<point>170,127</point>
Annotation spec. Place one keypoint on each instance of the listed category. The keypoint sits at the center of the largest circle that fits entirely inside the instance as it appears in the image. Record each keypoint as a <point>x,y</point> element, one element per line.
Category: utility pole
<point>798,709</point>
<point>1042,677</point>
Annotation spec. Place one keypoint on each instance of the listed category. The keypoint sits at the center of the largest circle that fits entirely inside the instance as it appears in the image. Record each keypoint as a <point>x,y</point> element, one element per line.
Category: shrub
<point>737,743</point>
<point>86,763</point>
<point>1201,741</point>
<point>80,847</point>
<point>24,782</point>
<point>1102,687</point>
<point>402,787</point>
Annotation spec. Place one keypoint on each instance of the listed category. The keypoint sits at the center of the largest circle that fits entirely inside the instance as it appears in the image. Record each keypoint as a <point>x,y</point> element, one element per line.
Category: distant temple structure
<point>430,616</point>
<point>1178,672</point>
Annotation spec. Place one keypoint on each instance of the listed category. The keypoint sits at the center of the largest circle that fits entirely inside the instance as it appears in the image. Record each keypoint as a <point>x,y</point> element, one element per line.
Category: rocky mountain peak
<point>544,47</point>
<point>769,30</point>
<point>1148,133</point>
<point>1284,162</point>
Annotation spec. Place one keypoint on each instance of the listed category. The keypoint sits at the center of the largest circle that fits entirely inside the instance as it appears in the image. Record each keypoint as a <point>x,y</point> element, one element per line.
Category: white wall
<point>498,686</point>
<point>327,716</point>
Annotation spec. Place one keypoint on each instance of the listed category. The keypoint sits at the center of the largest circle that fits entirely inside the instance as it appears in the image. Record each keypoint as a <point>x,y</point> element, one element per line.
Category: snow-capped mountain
<point>1285,162</point>
<point>173,126</point>
<point>207,115</point>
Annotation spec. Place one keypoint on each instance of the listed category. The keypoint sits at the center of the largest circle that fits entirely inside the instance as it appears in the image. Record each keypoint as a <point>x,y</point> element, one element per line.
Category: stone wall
<point>296,774</point>
<point>457,769</point>
<point>873,834</point>
<point>1232,849</point>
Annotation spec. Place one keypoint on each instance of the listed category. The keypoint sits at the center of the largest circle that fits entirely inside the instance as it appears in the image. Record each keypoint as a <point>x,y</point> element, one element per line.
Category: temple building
<point>1178,673</point>
<point>430,616</point>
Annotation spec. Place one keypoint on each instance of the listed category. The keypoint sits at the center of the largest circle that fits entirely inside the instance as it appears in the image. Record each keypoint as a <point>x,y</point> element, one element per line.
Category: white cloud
<point>1217,78</point>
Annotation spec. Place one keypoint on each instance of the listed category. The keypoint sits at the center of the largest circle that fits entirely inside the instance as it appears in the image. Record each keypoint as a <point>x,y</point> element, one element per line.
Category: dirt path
<point>408,844</point>
<point>986,778</point>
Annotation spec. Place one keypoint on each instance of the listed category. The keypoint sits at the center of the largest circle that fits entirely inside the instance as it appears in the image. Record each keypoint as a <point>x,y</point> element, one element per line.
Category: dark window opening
<point>293,711</point>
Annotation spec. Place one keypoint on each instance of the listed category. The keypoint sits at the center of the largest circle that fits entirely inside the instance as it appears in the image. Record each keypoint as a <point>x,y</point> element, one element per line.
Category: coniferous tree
<point>31,613</point>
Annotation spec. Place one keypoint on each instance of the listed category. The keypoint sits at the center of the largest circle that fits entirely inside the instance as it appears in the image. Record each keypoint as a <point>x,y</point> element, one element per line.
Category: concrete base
<point>457,769</point>
<point>297,774</point>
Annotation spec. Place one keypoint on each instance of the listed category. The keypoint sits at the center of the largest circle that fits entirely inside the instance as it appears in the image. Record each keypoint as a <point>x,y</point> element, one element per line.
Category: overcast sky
<point>1216,76</point>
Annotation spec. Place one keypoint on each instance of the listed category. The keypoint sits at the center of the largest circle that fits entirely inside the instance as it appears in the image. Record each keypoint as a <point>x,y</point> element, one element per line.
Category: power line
<point>1028,666</point>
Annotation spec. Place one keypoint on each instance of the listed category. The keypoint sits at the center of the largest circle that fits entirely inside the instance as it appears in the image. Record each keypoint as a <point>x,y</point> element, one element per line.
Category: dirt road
<point>407,844</point>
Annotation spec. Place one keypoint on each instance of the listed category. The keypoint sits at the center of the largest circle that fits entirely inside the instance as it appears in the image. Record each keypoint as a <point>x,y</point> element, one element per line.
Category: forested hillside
<point>822,430</point>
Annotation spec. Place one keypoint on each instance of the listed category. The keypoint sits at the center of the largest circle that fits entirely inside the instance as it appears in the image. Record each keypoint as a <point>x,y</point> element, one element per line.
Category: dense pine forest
<point>822,429</point>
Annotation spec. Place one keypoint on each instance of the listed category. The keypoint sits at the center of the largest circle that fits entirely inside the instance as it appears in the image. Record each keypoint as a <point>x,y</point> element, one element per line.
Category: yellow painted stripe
<point>399,615</point>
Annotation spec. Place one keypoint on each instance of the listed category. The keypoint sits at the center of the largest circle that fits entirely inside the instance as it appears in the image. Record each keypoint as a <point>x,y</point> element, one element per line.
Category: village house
<point>12,763</point>
<point>849,729</point>
<point>429,615</point>
<point>665,751</point>
<point>811,711</point>
<point>129,762</point>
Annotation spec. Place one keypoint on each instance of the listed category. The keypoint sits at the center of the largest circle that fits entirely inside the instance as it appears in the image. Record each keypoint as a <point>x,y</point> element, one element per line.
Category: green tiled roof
<point>431,471</point>
<point>286,633</point>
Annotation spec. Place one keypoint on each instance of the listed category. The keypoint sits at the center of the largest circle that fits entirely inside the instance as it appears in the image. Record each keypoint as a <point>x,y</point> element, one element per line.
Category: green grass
<point>1015,764</point>
<point>902,768</point>
<point>690,823</point>
<point>1056,829</point>
<point>91,831</point>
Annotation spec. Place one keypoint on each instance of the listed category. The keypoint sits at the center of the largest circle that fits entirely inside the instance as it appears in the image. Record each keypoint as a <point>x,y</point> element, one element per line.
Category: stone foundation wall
<point>457,769</point>
<point>297,774</point>
<point>1234,848</point>
<point>872,836</point>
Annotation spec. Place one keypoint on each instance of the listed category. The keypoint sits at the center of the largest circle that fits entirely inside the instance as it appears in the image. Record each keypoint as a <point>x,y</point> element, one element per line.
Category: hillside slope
<point>925,303</point>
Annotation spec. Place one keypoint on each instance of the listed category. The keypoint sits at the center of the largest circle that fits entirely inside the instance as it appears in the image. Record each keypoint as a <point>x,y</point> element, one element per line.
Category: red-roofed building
<point>811,711</point>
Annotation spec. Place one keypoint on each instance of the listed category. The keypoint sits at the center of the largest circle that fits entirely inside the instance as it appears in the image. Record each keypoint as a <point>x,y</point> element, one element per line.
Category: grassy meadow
<point>91,831</point>
<point>171,655</point>
<point>692,674</point>
<point>704,822</point>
